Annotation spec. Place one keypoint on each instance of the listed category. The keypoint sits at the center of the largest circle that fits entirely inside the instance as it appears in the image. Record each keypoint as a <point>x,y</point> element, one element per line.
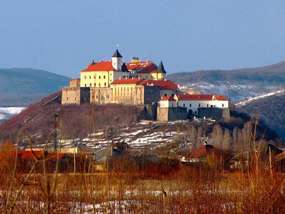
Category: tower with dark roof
<point>117,54</point>
<point>161,68</point>
<point>117,61</point>
<point>125,68</point>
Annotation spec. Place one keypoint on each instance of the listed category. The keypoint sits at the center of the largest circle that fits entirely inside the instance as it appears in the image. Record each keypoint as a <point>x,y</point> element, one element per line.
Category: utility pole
<point>56,116</point>
<point>270,160</point>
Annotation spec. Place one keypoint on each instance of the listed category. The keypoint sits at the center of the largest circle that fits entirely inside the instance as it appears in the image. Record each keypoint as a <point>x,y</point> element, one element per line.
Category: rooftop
<point>142,66</point>
<point>99,66</point>
<point>205,97</point>
<point>163,84</point>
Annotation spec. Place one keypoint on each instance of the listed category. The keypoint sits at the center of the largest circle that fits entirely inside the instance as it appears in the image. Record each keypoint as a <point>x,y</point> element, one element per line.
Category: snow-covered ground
<point>249,100</point>
<point>138,137</point>
<point>7,112</point>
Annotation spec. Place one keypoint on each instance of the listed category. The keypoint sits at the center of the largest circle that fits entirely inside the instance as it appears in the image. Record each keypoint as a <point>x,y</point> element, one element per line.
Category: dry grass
<point>186,190</point>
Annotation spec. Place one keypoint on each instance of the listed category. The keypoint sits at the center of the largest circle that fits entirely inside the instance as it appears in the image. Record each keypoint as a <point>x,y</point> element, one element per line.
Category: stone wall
<point>100,95</point>
<point>171,114</point>
<point>151,95</point>
<point>214,113</point>
<point>74,83</point>
<point>70,96</point>
<point>128,94</point>
<point>75,95</point>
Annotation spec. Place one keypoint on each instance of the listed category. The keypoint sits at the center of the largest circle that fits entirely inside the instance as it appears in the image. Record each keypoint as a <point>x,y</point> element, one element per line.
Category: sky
<point>63,36</point>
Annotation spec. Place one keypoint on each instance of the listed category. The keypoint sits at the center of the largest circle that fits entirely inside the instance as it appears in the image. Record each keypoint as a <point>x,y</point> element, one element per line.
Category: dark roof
<point>124,67</point>
<point>117,54</point>
<point>161,68</point>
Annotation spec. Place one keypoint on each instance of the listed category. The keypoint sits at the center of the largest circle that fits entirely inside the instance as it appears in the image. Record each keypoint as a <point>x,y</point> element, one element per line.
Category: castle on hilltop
<point>141,83</point>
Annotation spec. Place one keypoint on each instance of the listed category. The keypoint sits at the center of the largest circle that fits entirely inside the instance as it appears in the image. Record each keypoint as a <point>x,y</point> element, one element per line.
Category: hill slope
<point>271,110</point>
<point>238,84</point>
<point>99,125</point>
<point>20,87</point>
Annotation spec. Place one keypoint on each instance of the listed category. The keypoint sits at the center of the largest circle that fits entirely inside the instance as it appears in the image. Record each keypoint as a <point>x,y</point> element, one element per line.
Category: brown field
<point>181,190</point>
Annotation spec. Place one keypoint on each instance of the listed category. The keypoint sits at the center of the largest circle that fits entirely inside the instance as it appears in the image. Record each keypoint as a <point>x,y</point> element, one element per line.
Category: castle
<point>141,83</point>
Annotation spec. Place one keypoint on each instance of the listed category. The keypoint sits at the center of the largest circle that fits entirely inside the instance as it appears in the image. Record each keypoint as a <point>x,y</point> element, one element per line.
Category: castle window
<point>105,84</point>
<point>99,84</point>
<point>183,104</point>
<point>104,77</point>
<point>94,76</point>
<point>190,105</point>
<point>89,77</point>
<point>99,77</point>
<point>223,105</point>
<point>90,84</point>
<point>199,105</point>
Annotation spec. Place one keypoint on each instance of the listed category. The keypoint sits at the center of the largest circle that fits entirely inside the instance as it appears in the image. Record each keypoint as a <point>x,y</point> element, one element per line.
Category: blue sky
<point>63,36</point>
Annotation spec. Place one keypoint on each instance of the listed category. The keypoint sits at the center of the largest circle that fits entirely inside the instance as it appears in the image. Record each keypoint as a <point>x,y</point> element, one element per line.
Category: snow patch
<point>252,99</point>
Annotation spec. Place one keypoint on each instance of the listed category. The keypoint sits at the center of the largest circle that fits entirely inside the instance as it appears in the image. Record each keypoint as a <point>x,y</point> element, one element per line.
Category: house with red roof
<point>200,105</point>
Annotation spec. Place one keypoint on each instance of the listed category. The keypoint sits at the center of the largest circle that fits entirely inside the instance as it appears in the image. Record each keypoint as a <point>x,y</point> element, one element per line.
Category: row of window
<point>199,105</point>
<point>94,77</point>
<point>94,85</point>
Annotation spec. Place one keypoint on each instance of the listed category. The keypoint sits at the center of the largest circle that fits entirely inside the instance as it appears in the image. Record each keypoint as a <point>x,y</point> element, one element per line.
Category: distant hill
<point>270,109</point>
<point>238,84</point>
<point>23,86</point>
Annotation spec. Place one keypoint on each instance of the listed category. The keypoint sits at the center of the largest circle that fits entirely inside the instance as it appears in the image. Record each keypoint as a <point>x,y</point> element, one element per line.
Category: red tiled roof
<point>142,66</point>
<point>163,84</point>
<point>100,66</point>
<point>201,97</point>
<point>128,81</point>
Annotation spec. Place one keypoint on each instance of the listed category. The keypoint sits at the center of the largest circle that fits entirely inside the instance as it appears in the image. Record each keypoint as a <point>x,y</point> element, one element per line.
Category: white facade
<point>195,104</point>
<point>117,63</point>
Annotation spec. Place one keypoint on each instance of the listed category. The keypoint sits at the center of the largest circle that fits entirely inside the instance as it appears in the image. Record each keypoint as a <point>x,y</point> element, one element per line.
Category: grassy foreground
<point>184,191</point>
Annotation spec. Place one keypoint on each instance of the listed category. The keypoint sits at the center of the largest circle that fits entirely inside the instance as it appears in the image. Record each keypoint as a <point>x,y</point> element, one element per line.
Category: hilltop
<point>238,84</point>
<point>23,86</point>
<point>98,125</point>
<point>270,108</point>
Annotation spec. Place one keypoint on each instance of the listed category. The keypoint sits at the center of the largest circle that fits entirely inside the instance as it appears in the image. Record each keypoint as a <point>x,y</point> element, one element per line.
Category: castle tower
<point>117,61</point>
<point>161,68</point>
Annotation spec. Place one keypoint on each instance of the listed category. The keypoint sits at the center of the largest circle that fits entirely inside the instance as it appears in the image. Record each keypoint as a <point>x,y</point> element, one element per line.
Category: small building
<point>192,102</point>
<point>184,106</point>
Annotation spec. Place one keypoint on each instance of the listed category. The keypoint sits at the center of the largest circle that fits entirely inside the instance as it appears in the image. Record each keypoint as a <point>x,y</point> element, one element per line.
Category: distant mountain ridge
<point>270,109</point>
<point>23,86</point>
<point>238,84</point>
